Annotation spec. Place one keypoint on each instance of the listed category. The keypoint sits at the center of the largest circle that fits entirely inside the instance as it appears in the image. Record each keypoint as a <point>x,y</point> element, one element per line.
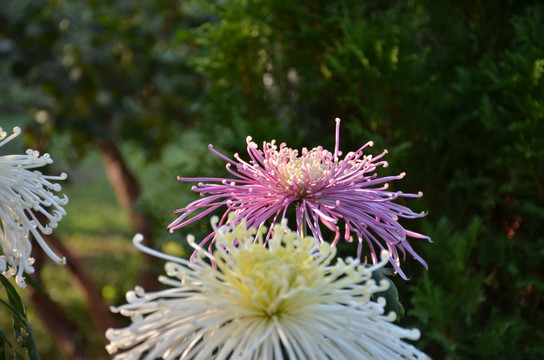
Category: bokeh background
<point>126,95</point>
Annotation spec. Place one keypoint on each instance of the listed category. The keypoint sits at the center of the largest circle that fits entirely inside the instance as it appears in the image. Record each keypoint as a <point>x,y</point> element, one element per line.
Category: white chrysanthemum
<point>25,193</point>
<point>250,300</point>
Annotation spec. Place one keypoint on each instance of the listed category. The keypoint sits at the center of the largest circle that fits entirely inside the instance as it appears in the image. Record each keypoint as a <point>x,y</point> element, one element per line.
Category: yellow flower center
<point>303,171</point>
<point>269,279</point>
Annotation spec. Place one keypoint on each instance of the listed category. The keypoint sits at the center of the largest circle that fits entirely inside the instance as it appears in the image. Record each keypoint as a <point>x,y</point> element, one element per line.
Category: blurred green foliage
<point>454,90</point>
<point>103,68</point>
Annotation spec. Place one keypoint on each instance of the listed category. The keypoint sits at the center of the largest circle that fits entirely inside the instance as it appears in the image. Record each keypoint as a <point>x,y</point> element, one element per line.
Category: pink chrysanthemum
<point>323,189</point>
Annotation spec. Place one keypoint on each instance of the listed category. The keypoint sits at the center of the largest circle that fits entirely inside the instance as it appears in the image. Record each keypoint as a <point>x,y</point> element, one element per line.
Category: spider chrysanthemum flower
<point>253,301</point>
<point>28,205</point>
<point>324,190</point>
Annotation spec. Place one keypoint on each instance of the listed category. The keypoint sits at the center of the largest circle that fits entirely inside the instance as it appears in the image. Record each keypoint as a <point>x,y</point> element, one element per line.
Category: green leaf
<point>30,280</point>
<point>14,305</point>
<point>13,296</point>
<point>4,341</point>
<point>391,295</point>
<point>30,344</point>
<point>21,326</point>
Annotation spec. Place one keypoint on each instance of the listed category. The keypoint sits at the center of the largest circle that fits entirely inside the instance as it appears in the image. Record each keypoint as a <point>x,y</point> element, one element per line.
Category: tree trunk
<point>66,334</point>
<point>127,191</point>
<point>101,316</point>
<point>61,328</point>
<point>63,331</point>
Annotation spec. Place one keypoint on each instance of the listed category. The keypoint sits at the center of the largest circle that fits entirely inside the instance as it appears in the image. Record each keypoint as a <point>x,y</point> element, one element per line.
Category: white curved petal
<point>25,194</point>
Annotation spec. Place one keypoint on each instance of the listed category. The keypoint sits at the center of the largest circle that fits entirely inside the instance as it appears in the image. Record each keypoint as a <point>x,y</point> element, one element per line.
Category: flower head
<point>26,197</point>
<point>247,300</point>
<point>323,189</point>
